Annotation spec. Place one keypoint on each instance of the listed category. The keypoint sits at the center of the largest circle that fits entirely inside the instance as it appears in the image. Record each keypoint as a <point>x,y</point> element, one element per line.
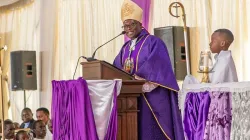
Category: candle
<point>205,60</point>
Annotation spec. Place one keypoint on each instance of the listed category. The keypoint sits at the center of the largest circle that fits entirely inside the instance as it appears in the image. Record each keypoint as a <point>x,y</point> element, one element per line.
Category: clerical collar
<point>134,40</point>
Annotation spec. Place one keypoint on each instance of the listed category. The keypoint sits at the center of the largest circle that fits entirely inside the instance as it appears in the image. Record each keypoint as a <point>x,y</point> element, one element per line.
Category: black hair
<point>7,122</point>
<point>27,109</point>
<point>35,123</point>
<point>45,110</point>
<point>19,133</point>
<point>228,34</point>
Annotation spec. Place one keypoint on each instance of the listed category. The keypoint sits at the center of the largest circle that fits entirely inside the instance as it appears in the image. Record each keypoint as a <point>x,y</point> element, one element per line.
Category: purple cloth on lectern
<point>145,6</point>
<point>72,113</point>
<point>218,125</point>
<point>195,114</point>
<point>112,126</point>
<point>154,65</point>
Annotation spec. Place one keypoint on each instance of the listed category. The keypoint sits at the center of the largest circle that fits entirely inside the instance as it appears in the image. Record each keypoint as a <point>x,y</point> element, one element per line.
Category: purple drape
<point>218,125</point>
<point>112,127</point>
<point>145,6</point>
<point>195,114</point>
<point>72,113</point>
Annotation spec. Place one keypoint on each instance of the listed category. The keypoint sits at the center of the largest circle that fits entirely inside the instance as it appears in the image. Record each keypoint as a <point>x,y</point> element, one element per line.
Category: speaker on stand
<point>173,37</point>
<point>23,71</point>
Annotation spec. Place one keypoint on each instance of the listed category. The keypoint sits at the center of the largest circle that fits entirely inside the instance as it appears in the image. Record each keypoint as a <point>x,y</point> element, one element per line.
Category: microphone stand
<point>93,56</point>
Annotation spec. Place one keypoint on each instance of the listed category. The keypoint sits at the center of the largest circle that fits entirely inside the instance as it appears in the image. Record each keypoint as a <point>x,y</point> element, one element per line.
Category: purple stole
<point>130,62</point>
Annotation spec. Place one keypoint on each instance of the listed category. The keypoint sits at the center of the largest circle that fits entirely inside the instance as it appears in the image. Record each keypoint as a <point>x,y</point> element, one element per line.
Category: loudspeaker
<point>23,70</point>
<point>173,37</point>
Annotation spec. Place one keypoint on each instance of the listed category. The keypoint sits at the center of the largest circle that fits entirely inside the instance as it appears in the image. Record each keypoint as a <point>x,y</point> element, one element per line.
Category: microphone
<point>93,56</point>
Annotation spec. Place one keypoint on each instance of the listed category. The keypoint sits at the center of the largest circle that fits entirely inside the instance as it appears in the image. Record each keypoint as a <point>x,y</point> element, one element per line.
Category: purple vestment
<point>152,63</point>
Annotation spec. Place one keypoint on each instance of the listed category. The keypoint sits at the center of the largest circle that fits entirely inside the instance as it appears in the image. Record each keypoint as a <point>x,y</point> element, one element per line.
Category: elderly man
<point>146,57</point>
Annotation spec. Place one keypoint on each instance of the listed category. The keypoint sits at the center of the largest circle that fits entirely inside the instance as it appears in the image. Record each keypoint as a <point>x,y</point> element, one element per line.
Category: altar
<point>216,111</point>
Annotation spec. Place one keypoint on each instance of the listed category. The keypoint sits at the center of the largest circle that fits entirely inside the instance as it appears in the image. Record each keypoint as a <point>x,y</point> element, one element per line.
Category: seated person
<point>43,114</point>
<point>39,130</point>
<point>9,130</point>
<point>22,135</point>
<point>27,118</point>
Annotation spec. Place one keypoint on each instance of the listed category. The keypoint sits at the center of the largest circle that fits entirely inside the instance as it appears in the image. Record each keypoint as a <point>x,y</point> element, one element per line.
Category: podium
<point>127,100</point>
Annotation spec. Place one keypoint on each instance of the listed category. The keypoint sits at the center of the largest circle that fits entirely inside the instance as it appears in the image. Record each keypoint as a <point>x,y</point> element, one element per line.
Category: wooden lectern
<point>127,100</point>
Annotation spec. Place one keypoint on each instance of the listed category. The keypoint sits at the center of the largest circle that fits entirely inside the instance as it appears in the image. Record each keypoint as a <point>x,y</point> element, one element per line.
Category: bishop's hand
<point>148,86</point>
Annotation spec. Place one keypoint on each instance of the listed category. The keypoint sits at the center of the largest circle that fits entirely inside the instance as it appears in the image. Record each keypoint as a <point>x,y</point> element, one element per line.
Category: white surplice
<point>224,69</point>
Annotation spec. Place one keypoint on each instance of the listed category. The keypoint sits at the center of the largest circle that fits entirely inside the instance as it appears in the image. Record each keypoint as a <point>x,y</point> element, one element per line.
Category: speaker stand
<point>24,98</point>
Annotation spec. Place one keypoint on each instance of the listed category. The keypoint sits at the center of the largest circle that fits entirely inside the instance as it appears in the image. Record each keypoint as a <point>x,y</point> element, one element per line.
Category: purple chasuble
<point>153,64</point>
<point>132,56</point>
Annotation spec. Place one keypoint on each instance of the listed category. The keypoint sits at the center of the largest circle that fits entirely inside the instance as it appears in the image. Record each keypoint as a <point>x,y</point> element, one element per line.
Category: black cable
<point>76,66</point>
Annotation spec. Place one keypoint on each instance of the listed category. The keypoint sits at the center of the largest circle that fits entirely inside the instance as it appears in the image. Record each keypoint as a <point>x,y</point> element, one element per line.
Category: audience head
<point>39,129</point>
<point>221,39</point>
<point>27,115</point>
<point>17,125</point>
<point>9,129</point>
<point>42,114</point>
<point>22,135</point>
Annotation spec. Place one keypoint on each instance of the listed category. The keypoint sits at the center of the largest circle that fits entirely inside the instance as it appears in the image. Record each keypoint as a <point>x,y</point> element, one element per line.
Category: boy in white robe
<point>224,68</point>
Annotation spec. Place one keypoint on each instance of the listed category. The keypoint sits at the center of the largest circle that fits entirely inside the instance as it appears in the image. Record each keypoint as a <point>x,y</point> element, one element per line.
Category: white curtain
<point>82,27</point>
<point>48,49</point>
<point>20,30</point>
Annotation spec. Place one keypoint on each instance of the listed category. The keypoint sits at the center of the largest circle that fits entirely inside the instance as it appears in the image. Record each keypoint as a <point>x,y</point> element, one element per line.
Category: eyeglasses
<point>131,26</point>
